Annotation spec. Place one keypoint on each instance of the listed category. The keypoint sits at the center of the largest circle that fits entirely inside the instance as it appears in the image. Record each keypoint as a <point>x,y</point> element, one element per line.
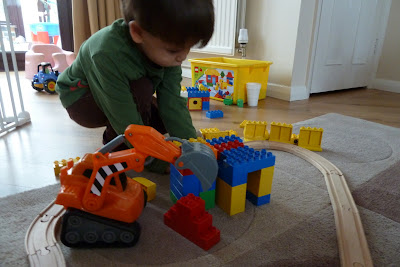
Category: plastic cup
<point>253,92</point>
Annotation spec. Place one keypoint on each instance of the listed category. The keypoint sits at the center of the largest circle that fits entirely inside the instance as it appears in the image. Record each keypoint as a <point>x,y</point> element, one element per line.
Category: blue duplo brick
<point>251,159</point>
<point>206,105</point>
<point>191,185</point>
<point>213,114</point>
<point>258,201</point>
<point>235,164</point>
<point>226,139</point>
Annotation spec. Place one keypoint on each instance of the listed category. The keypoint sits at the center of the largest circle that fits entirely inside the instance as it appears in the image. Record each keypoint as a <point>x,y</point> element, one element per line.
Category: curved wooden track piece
<point>353,246</point>
<point>40,240</point>
<point>43,249</point>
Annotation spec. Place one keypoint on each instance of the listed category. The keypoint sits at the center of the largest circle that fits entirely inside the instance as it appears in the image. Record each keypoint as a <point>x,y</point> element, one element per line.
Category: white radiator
<point>223,39</point>
<point>12,112</point>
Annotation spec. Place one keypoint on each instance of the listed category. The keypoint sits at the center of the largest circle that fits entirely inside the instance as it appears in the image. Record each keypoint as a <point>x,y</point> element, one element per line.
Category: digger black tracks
<point>84,230</point>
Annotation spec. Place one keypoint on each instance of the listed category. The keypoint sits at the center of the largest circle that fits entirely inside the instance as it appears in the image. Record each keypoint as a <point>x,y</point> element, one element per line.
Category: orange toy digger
<point>102,204</point>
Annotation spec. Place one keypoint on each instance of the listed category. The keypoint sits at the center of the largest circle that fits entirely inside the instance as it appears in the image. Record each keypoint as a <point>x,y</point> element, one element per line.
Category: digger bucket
<point>200,159</point>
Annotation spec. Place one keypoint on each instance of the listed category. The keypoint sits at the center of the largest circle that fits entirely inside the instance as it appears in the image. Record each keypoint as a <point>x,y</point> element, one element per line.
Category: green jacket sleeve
<point>112,93</point>
<point>172,106</point>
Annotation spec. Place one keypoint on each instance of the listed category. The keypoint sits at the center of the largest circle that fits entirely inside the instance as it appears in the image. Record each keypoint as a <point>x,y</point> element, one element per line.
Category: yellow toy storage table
<point>227,77</point>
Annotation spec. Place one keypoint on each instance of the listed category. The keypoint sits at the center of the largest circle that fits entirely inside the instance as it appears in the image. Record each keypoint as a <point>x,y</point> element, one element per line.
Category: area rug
<point>296,228</point>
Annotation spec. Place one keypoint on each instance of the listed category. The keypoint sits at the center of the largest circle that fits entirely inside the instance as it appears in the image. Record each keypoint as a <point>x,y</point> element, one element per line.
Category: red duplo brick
<point>189,218</point>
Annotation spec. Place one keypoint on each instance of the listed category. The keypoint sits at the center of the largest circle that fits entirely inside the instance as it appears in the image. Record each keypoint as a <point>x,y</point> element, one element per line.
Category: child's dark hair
<point>173,21</point>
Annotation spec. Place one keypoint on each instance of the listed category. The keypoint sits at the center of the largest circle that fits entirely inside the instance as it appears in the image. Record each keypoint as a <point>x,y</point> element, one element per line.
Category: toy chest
<point>227,77</point>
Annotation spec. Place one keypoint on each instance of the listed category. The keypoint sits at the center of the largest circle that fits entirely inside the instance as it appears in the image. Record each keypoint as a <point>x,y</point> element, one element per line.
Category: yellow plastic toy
<point>148,186</point>
<point>255,130</point>
<point>281,132</point>
<point>59,164</point>
<point>311,138</point>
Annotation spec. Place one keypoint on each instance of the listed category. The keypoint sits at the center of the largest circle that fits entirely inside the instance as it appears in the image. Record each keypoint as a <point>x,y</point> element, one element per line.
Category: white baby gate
<point>12,111</point>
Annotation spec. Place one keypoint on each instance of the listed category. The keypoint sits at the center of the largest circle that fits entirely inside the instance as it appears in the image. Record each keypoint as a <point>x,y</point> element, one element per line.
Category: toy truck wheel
<point>109,237</point>
<point>90,237</point>
<point>50,86</point>
<point>36,88</point>
<point>72,237</point>
<point>127,237</point>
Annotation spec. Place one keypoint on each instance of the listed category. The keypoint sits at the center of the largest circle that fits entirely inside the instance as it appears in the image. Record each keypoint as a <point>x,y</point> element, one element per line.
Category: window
<point>32,21</point>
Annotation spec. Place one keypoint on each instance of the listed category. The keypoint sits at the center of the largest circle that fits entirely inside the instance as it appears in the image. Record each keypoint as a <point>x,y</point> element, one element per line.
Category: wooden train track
<point>40,240</point>
<point>43,249</point>
<point>353,246</point>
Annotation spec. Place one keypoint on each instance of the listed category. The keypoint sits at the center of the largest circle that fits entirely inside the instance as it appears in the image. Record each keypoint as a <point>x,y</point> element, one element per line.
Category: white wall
<point>272,27</point>
<point>283,32</point>
<point>303,53</point>
<point>388,71</point>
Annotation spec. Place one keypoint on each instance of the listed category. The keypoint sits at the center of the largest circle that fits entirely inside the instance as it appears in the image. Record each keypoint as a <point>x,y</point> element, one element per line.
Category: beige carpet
<point>296,228</point>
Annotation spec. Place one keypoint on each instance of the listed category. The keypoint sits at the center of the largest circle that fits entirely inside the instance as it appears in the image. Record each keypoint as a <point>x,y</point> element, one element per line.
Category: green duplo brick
<point>239,103</point>
<point>173,197</point>
<point>209,198</point>
<point>228,102</point>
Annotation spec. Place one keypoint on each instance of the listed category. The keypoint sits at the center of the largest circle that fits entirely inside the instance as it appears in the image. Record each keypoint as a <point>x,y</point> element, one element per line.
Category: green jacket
<point>106,62</point>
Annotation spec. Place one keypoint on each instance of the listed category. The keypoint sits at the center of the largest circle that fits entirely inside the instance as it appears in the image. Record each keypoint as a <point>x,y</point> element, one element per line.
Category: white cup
<point>253,92</point>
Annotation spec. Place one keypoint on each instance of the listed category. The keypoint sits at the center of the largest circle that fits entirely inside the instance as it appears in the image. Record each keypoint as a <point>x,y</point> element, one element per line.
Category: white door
<point>345,44</point>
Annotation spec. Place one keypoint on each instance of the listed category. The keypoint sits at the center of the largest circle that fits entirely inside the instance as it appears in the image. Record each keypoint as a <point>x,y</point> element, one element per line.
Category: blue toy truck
<point>45,78</point>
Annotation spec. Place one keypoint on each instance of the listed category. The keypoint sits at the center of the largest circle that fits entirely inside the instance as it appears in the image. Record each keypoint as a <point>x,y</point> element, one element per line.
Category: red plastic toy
<point>189,218</point>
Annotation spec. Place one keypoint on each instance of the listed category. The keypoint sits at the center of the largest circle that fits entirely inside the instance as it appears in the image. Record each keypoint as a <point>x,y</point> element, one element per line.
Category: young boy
<point>112,81</point>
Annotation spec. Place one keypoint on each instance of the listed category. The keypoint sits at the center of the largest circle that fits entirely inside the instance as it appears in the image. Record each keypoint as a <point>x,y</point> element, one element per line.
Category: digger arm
<point>197,157</point>
<point>148,141</point>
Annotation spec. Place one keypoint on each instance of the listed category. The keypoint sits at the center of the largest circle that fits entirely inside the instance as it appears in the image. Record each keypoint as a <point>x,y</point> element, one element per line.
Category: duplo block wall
<point>243,173</point>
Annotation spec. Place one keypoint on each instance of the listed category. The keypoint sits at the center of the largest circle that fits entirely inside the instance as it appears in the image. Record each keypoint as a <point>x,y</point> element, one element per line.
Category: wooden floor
<point>27,153</point>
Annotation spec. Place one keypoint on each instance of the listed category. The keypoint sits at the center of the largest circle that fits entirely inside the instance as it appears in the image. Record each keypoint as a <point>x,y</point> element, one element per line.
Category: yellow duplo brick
<point>208,130</point>
<point>286,133</point>
<point>259,183</point>
<point>255,130</point>
<point>274,132</point>
<point>232,200</point>
<point>304,137</point>
<point>195,103</point>
<point>57,165</point>
<point>148,186</point>
<point>232,132</point>
<point>311,138</point>
<point>177,143</point>
<point>281,132</point>
<point>218,134</point>
<point>261,128</point>
<point>249,131</point>
<point>243,123</point>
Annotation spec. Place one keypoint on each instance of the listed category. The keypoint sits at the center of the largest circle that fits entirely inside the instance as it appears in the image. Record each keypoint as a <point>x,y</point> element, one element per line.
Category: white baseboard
<point>187,72</point>
<point>278,91</point>
<point>286,92</point>
<point>386,85</point>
